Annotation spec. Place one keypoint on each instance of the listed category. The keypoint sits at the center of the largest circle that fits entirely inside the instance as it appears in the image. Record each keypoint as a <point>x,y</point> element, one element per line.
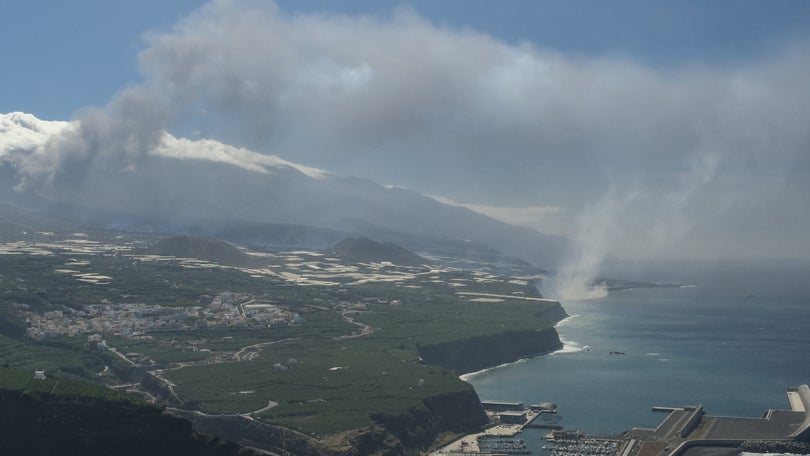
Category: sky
<point>643,129</point>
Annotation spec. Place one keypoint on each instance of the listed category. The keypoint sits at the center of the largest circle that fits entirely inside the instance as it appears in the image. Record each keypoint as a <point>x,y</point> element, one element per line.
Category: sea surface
<point>733,337</point>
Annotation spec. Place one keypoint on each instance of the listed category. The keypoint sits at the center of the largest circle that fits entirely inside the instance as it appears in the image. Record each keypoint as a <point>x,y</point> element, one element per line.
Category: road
<point>251,351</point>
<point>365,329</point>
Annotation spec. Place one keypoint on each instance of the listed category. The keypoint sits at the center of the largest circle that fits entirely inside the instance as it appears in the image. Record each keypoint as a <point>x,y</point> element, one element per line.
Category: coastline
<point>568,347</point>
<point>469,375</point>
<point>485,351</point>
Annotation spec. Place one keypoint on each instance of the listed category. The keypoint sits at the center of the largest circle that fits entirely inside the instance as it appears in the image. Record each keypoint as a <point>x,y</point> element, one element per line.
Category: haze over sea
<point>732,339</point>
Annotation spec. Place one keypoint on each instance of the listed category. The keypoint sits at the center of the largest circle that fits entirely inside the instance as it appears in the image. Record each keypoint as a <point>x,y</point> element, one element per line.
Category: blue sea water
<point>732,339</point>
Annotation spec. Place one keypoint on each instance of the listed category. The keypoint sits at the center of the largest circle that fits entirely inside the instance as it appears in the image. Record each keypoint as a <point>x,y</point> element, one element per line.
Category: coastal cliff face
<point>417,428</point>
<point>480,352</point>
<point>90,426</point>
<point>554,313</point>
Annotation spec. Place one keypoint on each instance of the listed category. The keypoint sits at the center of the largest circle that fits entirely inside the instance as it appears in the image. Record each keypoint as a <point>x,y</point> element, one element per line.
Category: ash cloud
<point>683,155</point>
<point>102,144</point>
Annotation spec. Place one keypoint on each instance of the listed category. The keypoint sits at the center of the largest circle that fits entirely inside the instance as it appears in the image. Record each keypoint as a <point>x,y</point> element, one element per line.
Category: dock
<point>684,429</point>
<point>504,437</point>
<point>495,439</point>
<point>659,408</point>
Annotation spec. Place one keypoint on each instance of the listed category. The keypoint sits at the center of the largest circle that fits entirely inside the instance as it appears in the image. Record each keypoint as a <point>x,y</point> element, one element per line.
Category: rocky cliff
<point>554,313</point>
<point>417,428</point>
<point>480,352</point>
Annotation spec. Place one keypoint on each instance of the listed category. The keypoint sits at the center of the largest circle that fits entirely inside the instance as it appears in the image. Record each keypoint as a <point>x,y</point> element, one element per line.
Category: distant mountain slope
<point>365,250</point>
<point>204,249</point>
<point>192,184</point>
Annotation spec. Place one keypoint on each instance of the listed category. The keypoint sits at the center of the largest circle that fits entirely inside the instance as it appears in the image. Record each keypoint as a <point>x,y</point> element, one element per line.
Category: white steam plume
<point>649,217</point>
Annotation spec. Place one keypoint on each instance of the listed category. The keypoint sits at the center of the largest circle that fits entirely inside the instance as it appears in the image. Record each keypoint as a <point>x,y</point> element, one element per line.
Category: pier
<point>686,430</point>
<point>500,438</point>
<point>504,437</point>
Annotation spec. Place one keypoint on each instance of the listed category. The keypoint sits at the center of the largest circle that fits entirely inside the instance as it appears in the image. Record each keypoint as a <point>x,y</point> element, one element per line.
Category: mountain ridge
<point>181,182</point>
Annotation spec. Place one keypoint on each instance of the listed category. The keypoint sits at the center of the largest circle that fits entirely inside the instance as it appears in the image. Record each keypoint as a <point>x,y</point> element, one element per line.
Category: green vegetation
<point>53,356</point>
<point>364,250</point>
<point>204,249</point>
<point>35,281</point>
<point>58,386</point>
<point>327,388</point>
<point>350,353</point>
<point>62,416</point>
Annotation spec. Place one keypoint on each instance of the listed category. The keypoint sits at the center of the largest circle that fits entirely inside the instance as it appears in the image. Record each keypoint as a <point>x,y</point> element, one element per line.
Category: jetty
<point>689,428</point>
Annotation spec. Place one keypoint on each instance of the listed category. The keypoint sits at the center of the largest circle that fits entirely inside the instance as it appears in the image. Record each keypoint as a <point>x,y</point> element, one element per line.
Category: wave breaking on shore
<point>468,376</point>
<point>569,346</point>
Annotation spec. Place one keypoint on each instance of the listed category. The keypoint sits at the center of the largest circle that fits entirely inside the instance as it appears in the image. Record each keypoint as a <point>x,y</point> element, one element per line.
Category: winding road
<point>244,354</point>
<point>251,351</point>
<point>365,329</point>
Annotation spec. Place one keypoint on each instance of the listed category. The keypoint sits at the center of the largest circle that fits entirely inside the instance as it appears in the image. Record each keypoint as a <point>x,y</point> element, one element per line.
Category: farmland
<point>302,339</point>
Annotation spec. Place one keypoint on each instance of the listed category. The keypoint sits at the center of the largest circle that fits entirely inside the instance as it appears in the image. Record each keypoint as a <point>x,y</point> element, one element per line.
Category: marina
<point>584,447</point>
<point>506,434</point>
<point>502,445</point>
<point>684,428</point>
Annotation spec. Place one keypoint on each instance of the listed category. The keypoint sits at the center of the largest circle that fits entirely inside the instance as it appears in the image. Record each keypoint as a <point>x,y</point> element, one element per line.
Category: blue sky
<point>647,128</point>
<point>62,56</point>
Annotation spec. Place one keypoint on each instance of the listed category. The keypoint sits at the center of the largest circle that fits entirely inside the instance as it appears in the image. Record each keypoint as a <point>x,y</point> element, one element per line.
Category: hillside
<point>364,250</point>
<point>329,349</point>
<point>84,419</point>
<point>204,249</point>
<point>184,186</point>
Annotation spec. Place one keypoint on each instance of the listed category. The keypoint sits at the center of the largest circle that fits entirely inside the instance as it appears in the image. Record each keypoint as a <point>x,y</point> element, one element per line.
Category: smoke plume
<point>672,160</point>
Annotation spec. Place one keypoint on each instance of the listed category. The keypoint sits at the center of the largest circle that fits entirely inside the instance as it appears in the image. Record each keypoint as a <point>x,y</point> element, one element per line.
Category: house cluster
<point>134,320</point>
<point>349,307</point>
<point>290,363</point>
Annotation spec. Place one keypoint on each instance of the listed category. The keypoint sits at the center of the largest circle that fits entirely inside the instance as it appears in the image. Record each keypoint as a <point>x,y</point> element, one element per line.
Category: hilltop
<point>204,249</point>
<point>364,250</point>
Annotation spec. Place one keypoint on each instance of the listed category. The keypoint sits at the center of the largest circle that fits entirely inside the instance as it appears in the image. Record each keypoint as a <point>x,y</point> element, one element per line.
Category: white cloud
<point>210,150</point>
<point>460,113</point>
<point>537,217</point>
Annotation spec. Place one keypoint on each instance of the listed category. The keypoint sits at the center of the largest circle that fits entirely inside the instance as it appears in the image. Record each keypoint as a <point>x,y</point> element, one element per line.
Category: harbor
<point>685,429</point>
<point>584,446</point>
<point>519,430</point>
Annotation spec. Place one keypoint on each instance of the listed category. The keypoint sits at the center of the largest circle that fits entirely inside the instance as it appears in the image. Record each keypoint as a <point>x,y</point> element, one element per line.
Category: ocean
<point>733,337</point>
